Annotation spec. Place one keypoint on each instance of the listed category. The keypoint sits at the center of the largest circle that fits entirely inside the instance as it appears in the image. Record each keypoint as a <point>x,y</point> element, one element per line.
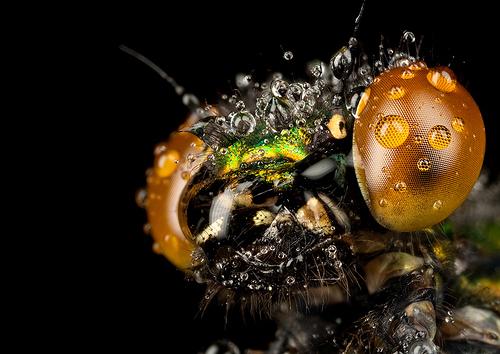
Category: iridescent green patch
<point>277,153</point>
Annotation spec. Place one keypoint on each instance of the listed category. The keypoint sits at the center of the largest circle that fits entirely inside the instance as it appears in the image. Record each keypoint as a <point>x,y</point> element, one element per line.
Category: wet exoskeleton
<point>325,204</point>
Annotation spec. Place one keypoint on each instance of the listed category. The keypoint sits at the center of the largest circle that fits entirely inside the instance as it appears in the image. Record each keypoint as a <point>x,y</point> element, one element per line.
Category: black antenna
<point>357,21</point>
<point>189,100</point>
<point>178,88</point>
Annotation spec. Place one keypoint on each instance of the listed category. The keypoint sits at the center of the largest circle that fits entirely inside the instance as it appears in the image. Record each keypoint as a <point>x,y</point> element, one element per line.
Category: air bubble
<point>289,280</point>
<point>418,139</point>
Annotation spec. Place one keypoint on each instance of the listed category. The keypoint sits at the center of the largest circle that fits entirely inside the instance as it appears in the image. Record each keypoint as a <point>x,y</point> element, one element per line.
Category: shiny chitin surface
<point>175,162</point>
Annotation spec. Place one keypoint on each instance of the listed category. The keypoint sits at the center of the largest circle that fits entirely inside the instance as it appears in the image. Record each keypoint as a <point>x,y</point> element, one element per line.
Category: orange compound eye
<point>173,166</point>
<point>418,146</point>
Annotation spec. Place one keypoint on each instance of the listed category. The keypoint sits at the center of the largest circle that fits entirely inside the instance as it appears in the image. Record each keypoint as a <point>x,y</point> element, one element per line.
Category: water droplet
<point>442,78</point>
<point>363,101</point>
<point>408,37</point>
<point>185,175</point>
<point>141,197</point>
<point>289,280</point>
<point>240,105</point>
<point>222,151</point>
<point>242,123</point>
<point>383,202</point>
<point>301,122</point>
<point>146,228</point>
<point>458,124</point>
<point>424,346</point>
<point>166,163</point>
<point>242,81</point>
<point>191,101</point>
<point>331,251</point>
<point>157,248</point>
<point>400,187</point>
<point>341,63</point>
<point>391,131</point>
<point>492,335</point>
<point>279,88</point>
<point>419,65</point>
<point>396,92</point>
<point>160,148</point>
<point>288,55</point>
<point>407,74</point>
<point>439,137</point>
<point>316,70</point>
<point>438,204</point>
<point>423,164</point>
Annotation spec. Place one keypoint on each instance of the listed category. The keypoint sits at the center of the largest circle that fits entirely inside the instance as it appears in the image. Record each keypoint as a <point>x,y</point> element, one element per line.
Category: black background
<point>138,299</point>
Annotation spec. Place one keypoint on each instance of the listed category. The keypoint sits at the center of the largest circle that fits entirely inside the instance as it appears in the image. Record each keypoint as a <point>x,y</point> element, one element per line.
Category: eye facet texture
<point>418,146</point>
